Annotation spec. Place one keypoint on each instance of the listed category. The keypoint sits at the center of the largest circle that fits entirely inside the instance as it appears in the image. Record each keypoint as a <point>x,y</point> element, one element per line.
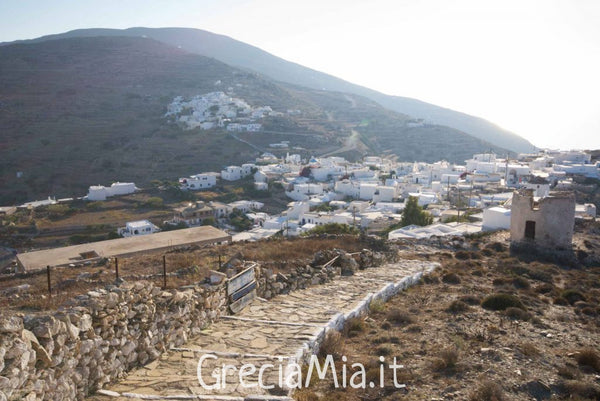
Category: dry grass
<point>332,345</point>
<point>488,391</point>
<point>476,355</point>
<point>588,358</point>
<point>354,326</point>
<point>400,317</point>
<point>529,349</point>
<point>457,306</point>
<point>446,360</point>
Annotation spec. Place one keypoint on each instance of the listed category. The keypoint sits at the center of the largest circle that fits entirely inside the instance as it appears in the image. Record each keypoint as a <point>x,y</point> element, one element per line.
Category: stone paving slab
<point>284,327</point>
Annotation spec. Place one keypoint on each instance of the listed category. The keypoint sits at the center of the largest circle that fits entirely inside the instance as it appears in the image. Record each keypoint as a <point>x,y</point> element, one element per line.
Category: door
<point>530,229</point>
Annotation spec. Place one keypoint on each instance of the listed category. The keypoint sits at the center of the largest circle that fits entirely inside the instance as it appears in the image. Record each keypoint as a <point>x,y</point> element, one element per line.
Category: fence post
<point>117,268</point>
<point>164,272</point>
<point>49,282</point>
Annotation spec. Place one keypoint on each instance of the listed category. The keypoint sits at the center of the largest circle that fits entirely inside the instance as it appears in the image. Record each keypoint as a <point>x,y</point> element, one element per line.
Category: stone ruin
<point>542,222</point>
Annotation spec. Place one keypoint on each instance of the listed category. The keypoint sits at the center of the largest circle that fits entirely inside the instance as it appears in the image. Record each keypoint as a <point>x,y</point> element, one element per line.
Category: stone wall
<point>319,271</point>
<point>68,354</point>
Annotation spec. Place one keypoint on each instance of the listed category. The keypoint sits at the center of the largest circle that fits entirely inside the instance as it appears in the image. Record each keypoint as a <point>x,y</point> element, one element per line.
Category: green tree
<point>414,214</point>
<point>209,221</point>
<point>239,220</point>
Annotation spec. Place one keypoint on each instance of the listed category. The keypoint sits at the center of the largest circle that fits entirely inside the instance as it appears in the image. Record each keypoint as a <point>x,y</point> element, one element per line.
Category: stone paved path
<point>287,327</point>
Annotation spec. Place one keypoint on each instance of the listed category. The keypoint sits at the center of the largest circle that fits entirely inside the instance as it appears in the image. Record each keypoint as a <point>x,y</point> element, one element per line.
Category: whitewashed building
<point>199,181</point>
<point>231,173</point>
<point>100,193</point>
<point>301,192</point>
<point>245,205</point>
<point>496,218</point>
<point>137,228</point>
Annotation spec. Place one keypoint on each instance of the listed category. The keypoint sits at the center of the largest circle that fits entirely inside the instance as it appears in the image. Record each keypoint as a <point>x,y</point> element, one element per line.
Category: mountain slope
<point>81,111</point>
<point>242,55</point>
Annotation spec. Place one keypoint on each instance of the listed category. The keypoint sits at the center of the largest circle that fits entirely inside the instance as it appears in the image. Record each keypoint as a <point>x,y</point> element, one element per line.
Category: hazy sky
<point>532,67</point>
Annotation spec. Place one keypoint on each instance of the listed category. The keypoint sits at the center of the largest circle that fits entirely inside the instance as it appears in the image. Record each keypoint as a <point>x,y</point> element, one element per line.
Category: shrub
<point>496,246</point>
<point>471,299</point>
<point>331,345</point>
<point>529,349</point>
<point>487,252</point>
<point>414,328</point>
<point>384,350</point>
<point>154,202</point>
<point>399,317</point>
<point>488,391</point>
<point>59,210</point>
<point>446,361</point>
<point>568,372</point>
<point>306,395</point>
<point>431,279</point>
<point>462,255</point>
<point>93,205</point>
<point>499,282</point>
<point>572,296</point>
<point>333,228</point>
<point>517,314</point>
<point>544,288</point>
<point>560,301</point>
<point>575,389</point>
<point>521,283</point>
<point>457,306</point>
<point>377,306</point>
<point>451,278</point>
<point>501,302</point>
<point>354,326</point>
<point>589,358</point>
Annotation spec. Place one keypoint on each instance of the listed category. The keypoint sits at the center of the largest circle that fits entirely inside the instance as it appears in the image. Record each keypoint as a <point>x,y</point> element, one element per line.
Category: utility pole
<point>470,194</point>
<point>458,204</point>
<point>49,282</point>
<point>164,272</point>
<point>506,171</point>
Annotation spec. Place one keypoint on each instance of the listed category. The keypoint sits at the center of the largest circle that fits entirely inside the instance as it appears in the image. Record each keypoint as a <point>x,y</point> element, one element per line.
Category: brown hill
<point>82,111</point>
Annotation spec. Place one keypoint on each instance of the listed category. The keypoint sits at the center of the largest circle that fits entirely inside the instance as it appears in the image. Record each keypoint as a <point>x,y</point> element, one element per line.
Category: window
<point>530,229</point>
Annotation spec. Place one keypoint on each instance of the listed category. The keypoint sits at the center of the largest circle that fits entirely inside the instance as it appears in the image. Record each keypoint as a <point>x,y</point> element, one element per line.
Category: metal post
<point>219,262</point>
<point>458,204</point>
<point>49,282</point>
<point>117,269</point>
<point>164,272</point>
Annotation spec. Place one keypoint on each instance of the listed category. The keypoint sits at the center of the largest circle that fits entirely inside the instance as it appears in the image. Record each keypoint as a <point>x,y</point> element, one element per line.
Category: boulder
<point>11,324</point>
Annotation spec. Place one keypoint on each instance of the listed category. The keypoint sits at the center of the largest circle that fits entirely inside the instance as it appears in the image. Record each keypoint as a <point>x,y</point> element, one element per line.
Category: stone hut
<point>544,222</point>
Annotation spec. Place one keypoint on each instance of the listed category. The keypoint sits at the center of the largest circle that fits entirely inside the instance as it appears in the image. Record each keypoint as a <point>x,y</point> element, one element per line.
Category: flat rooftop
<point>31,261</point>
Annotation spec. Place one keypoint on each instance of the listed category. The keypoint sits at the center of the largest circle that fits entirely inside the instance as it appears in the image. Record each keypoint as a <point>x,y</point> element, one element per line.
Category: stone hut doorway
<point>530,229</point>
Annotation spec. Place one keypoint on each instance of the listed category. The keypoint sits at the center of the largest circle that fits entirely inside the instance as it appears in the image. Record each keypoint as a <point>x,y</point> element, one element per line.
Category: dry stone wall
<point>68,354</point>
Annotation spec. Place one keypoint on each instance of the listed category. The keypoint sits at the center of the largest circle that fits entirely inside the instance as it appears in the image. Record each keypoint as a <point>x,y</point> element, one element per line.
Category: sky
<point>532,67</point>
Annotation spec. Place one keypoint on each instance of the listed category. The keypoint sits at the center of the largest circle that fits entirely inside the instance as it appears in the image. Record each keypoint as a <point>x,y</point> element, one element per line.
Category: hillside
<point>242,55</point>
<point>81,111</point>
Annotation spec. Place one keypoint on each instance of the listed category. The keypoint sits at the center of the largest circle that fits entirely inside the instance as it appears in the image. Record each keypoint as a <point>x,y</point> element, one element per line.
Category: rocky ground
<point>488,325</point>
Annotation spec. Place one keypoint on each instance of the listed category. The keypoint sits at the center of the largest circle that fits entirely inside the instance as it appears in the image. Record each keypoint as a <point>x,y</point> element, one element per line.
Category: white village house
<point>136,228</point>
<point>199,181</point>
<point>100,193</point>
